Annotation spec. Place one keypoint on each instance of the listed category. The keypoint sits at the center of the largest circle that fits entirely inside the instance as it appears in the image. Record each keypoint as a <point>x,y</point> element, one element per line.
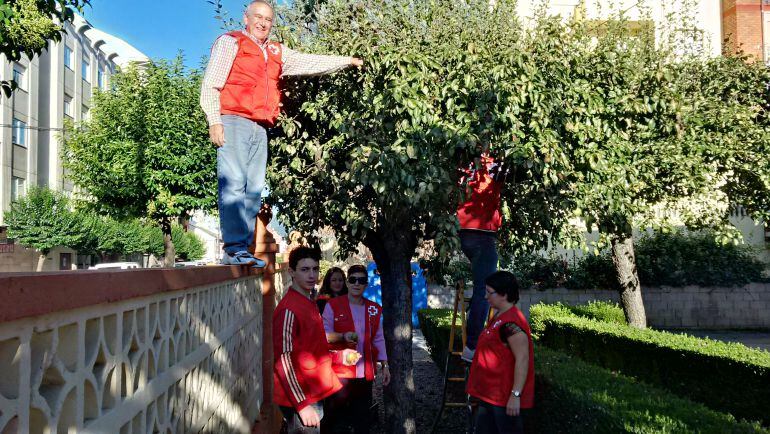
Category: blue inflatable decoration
<point>419,289</point>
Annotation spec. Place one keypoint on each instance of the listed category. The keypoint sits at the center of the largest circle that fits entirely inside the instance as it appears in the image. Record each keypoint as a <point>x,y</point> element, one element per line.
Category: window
<point>67,106</point>
<point>19,133</point>
<point>85,112</point>
<point>19,76</point>
<point>85,69</point>
<point>100,78</point>
<point>17,188</point>
<point>68,55</point>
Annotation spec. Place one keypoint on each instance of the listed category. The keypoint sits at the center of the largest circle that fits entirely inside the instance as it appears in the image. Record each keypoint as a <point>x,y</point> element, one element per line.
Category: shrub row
<point>574,396</point>
<point>727,377</point>
<point>435,324</point>
<point>662,259</point>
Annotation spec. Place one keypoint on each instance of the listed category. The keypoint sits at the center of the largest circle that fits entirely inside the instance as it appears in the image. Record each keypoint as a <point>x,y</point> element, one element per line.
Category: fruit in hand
<point>351,358</point>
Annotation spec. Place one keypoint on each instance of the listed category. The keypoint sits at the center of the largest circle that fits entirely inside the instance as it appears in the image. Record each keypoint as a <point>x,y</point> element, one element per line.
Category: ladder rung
<point>459,379</point>
<point>457,353</point>
<point>456,404</point>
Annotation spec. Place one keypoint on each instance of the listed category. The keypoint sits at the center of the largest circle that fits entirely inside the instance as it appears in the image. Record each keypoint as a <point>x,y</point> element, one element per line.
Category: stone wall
<point>687,307</point>
<point>131,351</point>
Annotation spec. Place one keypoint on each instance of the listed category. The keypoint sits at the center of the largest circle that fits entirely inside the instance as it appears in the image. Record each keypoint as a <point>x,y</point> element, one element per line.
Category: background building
<point>746,27</point>
<point>53,87</point>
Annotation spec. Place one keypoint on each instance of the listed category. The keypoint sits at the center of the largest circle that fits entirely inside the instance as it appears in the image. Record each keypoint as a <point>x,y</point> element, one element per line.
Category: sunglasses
<point>359,280</point>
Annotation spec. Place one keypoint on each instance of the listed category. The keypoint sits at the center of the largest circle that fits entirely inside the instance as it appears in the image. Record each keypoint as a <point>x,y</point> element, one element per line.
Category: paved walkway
<point>428,382</point>
<point>755,339</point>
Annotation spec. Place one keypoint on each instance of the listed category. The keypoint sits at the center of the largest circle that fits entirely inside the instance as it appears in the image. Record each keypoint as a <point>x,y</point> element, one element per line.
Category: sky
<point>161,28</point>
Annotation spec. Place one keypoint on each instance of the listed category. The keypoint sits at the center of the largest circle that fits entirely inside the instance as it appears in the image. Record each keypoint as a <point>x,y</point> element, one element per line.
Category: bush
<point>593,272</point>
<point>679,259</point>
<point>672,259</point>
<point>537,271</point>
<point>600,310</point>
<point>188,246</point>
<point>725,376</point>
<point>574,396</point>
<point>435,324</point>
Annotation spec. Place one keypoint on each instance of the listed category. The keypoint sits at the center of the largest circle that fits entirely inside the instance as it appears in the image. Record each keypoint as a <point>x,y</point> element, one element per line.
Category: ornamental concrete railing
<point>139,351</point>
<point>131,351</point>
<point>745,307</point>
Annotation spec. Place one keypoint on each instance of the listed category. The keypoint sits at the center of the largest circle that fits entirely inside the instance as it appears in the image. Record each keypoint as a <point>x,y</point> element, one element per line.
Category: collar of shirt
<point>262,45</point>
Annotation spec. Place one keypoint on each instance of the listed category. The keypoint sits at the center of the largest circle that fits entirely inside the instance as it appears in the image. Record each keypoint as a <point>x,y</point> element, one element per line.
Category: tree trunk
<point>392,252</point>
<point>41,261</point>
<point>169,252</point>
<point>628,279</point>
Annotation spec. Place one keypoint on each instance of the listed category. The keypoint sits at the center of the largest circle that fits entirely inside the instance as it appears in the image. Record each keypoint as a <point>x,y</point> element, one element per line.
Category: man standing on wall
<point>241,98</point>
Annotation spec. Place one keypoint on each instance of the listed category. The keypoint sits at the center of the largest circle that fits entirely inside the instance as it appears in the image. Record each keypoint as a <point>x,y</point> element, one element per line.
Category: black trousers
<point>294,422</point>
<point>491,419</point>
<point>349,409</point>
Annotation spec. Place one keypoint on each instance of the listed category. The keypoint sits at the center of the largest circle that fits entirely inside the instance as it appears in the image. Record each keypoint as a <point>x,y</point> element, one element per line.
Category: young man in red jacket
<point>302,370</point>
<point>241,98</point>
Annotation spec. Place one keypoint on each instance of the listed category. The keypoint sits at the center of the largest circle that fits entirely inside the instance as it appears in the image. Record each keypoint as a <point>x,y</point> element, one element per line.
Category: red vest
<point>251,90</point>
<point>481,209</point>
<point>491,376</point>
<point>343,322</point>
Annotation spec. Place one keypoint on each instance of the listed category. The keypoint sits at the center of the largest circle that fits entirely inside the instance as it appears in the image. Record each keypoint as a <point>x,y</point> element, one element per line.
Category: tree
<point>189,246</point>
<point>376,153</point>
<point>42,219</point>
<point>26,26</point>
<point>730,100</point>
<point>145,151</point>
<point>110,238</point>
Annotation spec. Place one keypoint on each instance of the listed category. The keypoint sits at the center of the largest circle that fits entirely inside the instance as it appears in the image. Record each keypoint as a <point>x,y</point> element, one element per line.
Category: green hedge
<point>727,377</point>
<point>435,324</point>
<point>574,396</point>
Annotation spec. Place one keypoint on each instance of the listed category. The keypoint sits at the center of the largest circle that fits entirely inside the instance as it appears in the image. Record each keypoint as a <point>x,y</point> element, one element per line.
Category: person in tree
<point>303,373</point>
<point>352,321</point>
<point>241,99</point>
<point>480,218</point>
<point>502,374</point>
<point>333,286</point>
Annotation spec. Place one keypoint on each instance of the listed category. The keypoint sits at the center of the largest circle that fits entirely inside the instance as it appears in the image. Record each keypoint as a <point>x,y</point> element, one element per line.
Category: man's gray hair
<point>255,2</point>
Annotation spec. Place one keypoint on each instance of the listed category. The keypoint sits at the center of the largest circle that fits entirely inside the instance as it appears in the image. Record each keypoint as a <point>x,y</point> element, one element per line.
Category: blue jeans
<point>480,248</point>
<point>241,165</point>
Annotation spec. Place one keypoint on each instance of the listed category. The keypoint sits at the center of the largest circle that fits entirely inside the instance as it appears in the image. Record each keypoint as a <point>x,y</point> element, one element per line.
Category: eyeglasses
<point>360,280</point>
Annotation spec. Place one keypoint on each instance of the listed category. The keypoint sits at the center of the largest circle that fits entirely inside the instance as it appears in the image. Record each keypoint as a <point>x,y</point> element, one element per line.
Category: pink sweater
<point>359,318</point>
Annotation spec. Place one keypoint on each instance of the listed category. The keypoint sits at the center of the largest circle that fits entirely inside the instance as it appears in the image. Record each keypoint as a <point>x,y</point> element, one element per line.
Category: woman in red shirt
<point>502,374</point>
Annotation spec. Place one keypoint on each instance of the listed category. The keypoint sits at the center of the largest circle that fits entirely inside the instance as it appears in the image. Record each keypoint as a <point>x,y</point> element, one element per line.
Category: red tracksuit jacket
<point>302,364</point>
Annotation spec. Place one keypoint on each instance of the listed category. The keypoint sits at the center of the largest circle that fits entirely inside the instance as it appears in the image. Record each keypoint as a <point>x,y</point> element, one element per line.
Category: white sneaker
<point>468,354</point>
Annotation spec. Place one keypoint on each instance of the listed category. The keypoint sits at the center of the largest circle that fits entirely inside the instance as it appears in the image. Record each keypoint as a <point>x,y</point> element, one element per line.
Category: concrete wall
<point>20,259</point>
<point>131,351</point>
<point>687,307</point>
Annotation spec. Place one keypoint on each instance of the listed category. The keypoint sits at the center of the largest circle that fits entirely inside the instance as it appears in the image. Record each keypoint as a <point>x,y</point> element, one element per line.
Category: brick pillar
<point>742,26</point>
<point>265,248</point>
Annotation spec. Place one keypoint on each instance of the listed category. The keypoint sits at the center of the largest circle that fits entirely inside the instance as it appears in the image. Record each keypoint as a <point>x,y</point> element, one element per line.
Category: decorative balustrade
<point>148,351</point>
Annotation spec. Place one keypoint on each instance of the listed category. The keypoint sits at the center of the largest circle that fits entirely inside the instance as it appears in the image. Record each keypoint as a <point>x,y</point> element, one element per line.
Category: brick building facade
<point>746,27</point>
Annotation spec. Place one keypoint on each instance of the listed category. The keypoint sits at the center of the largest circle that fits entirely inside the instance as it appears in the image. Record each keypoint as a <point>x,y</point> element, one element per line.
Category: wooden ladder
<point>451,376</point>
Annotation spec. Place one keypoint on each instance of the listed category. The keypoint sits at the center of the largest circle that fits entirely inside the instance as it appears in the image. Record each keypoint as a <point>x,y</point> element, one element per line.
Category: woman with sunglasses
<point>502,374</point>
<point>355,322</point>
<point>333,286</point>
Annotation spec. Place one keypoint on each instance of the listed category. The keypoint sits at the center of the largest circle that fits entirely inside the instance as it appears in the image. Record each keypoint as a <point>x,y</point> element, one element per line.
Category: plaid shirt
<point>223,54</point>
